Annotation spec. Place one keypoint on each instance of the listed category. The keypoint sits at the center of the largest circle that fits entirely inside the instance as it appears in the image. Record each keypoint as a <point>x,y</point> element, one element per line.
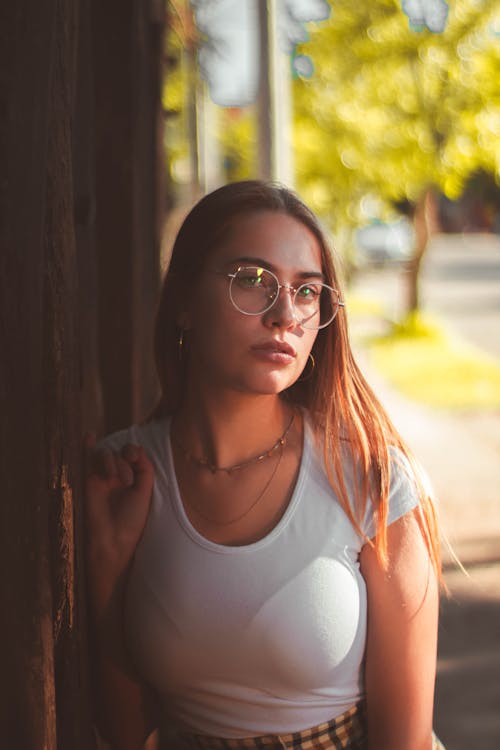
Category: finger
<point>107,462</point>
<point>130,453</point>
<point>125,471</point>
<point>138,458</point>
<point>141,465</point>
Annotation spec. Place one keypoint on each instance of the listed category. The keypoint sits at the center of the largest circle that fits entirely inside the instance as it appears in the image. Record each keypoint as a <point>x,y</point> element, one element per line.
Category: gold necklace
<point>205,463</point>
<point>252,506</point>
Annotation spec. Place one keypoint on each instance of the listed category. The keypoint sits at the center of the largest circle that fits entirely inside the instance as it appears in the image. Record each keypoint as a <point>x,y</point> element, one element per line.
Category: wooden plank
<point>43,664</point>
<point>28,700</point>
<point>49,300</point>
<point>62,393</point>
<point>127,59</point>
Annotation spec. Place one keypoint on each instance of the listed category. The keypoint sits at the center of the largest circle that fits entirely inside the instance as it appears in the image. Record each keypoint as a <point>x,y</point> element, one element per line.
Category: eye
<point>252,278</point>
<point>309,292</point>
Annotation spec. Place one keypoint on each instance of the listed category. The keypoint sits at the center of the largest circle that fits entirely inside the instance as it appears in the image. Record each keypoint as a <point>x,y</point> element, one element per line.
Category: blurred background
<point>384,115</point>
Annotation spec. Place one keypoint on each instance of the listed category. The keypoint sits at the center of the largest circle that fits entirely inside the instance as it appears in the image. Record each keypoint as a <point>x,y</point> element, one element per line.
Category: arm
<point>401,640</point>
<point>118,492</point>
<point>123,706</point>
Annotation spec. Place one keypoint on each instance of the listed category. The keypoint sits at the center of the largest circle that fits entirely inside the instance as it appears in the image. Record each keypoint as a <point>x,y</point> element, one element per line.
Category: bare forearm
<point>400,664</point>
<point>106,582</point>
<point>389,736</point>
<point>121,711</point>
<point>121,707</point>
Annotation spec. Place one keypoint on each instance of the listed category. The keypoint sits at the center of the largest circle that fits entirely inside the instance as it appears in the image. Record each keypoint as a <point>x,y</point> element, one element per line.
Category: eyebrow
<point>261,263</point>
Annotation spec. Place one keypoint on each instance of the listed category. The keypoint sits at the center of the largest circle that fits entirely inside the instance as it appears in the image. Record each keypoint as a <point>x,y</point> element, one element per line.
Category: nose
<point>282,313</point>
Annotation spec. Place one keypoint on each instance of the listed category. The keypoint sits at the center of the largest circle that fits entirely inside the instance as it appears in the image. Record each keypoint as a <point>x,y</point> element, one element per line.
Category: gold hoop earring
<point>309,374</point>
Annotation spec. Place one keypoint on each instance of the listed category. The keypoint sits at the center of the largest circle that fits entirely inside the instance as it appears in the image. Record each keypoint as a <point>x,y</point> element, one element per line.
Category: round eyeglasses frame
<point>292,289</point>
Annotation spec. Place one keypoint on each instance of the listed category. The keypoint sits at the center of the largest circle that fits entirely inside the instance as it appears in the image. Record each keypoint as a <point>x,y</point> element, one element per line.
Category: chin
<point>272,384</point>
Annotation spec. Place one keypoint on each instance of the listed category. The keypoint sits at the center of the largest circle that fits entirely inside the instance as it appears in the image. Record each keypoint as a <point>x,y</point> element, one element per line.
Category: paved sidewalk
<point>462,457</point>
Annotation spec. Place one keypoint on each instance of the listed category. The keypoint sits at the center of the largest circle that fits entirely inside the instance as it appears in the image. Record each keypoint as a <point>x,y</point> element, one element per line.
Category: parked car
<point>379,242</point>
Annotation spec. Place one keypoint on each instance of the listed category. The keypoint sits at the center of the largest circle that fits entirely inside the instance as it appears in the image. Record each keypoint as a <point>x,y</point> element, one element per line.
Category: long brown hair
<point>340,401</point>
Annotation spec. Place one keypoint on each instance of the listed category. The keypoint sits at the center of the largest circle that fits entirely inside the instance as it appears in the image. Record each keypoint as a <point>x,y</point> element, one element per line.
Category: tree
<point>396,113</point>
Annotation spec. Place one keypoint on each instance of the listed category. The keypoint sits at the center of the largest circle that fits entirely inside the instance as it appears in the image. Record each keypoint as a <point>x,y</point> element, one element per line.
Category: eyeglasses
<point>255,290</point>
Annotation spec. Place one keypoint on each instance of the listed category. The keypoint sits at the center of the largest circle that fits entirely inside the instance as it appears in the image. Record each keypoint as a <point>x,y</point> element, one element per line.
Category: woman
<point>262,554</point>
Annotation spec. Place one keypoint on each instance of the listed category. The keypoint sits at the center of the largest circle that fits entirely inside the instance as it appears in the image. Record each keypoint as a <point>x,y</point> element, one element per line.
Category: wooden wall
<point>79,218</point>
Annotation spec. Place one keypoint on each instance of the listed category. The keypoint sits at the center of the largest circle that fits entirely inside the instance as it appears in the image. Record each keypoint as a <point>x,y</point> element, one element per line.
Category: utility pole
<point>274,100</point>
<point>265,102</point>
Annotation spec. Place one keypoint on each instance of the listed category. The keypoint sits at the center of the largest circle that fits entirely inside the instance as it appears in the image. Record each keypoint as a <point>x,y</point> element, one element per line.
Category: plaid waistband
<point>345,732</point>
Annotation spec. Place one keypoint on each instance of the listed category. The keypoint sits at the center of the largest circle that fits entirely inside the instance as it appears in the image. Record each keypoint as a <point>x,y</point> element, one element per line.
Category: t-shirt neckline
<point>276,531</point>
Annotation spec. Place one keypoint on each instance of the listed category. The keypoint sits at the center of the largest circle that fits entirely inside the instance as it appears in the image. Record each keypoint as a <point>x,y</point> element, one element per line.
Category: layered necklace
<point>205,463</point>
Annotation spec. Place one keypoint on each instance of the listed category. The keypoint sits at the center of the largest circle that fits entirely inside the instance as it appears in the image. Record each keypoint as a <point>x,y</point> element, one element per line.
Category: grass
<point>427,364</point>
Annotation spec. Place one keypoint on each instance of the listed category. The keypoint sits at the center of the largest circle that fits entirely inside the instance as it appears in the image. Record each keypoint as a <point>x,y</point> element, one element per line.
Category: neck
<point>231,428</point>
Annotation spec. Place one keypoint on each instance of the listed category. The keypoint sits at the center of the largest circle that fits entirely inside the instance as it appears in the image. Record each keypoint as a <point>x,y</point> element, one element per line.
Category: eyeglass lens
<point>254,291</point>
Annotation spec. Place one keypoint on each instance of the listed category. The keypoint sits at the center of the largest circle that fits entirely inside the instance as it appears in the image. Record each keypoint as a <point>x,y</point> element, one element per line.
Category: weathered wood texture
<point>127,49</point>
<point>54,293</point>
<point>30,485</point>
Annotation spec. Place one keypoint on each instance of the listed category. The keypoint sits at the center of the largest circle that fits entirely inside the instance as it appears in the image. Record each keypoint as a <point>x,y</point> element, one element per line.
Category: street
<point>460,283</point>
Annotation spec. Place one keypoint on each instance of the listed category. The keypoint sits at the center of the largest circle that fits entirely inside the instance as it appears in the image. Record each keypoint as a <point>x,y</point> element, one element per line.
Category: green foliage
<point>390,111</point>
<point>238,139</point>
<point>414,326</point>
<point>178,82</point>
<point>428,365</point>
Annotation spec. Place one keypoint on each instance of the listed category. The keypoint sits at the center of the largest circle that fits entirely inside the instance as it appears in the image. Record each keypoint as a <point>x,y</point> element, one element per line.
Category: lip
<point>279,347</point>
<point>274,352</point>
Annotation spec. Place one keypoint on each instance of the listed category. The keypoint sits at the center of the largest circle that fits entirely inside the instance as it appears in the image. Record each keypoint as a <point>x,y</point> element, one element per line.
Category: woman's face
<point>264,353</point>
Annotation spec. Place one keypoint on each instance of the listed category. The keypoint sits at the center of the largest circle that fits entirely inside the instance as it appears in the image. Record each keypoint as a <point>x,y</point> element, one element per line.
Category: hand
<point>118,495</point>
<point>119,487</point>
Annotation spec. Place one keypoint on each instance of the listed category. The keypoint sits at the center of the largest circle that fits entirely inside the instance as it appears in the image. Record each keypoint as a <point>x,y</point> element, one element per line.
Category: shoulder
<point>150,435</point>
<point>406,480</point>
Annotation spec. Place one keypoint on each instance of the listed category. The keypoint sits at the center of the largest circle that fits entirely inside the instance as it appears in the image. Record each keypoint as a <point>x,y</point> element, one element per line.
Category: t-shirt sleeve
<point>149,435</point>
<point>117,440</point>
<point>403,493</point>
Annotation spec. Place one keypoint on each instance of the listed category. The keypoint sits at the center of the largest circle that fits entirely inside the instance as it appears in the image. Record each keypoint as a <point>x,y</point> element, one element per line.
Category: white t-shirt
<point>266,638</point>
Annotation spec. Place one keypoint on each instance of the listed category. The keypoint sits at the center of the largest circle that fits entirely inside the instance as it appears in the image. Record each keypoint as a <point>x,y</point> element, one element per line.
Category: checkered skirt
<point>346,732</point>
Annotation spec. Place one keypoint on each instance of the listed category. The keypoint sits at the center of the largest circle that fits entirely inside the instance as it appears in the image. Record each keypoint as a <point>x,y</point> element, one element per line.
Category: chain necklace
<point>252,506</point>
<point>205,463</point>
